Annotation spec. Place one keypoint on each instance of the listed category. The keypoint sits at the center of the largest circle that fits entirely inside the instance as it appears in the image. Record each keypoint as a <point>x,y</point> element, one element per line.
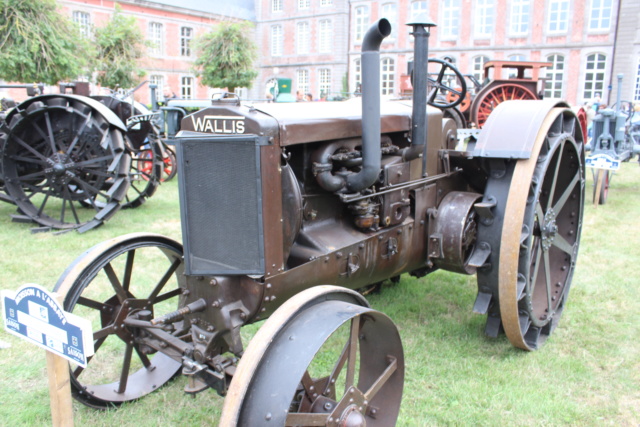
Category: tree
<point>38,44</point>
<point>119,49</point>
<point>226,55</point>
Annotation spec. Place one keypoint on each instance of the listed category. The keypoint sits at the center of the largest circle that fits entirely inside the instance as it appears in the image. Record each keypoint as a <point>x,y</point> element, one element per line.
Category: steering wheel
<point>440,94</point>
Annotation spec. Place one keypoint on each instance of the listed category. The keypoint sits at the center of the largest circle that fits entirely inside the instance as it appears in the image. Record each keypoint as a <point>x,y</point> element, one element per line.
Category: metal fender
<point>109,115</point>
<point>512,127</point>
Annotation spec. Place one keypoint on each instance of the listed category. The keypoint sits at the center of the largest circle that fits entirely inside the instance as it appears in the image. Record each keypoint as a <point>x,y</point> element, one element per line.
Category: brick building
<point>316,43</point>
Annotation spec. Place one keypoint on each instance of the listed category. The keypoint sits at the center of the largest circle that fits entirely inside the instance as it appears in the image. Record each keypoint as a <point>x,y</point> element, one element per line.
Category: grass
<point>588,373</point>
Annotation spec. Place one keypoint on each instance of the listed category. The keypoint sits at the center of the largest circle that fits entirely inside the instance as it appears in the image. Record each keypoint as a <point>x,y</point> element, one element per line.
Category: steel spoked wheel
<point>145,174</point>
<point>57,156</point>
<point>169,164</point>
<point>322,359</point>
<point>137,274</point>
<point>539,227</point>
<point>487,101</point>
<point>601,178</point>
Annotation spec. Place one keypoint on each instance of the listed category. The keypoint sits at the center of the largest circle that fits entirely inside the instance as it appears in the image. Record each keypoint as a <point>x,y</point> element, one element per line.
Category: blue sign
<point>32,313</point>
<point>602,161</point>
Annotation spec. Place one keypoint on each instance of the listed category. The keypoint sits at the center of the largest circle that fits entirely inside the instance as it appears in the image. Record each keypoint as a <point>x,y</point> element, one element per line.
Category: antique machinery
<point>611,143</point>
<point>287,209</point>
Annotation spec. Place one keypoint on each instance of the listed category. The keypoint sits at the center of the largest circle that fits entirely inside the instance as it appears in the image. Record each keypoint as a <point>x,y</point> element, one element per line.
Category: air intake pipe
<point>371,153</point>
<point>420,33</point>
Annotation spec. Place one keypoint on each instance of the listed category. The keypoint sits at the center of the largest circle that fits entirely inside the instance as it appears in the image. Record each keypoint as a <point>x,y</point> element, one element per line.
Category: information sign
<point>602,161</point>
<point>34,314</point>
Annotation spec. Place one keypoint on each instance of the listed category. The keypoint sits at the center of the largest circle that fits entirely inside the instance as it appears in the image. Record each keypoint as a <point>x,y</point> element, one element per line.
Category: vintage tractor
<point>288,209</point>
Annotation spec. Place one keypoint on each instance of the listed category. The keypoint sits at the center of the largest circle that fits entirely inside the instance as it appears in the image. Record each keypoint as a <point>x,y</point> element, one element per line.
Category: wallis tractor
<point>288,209</point>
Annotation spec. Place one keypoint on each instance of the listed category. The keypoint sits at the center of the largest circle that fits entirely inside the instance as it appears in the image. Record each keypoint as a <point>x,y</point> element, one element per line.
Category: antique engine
<point>287,209</point>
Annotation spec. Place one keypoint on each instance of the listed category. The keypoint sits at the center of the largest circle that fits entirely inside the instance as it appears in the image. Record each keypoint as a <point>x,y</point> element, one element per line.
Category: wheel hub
<point>352,417</point>
<point>549,230</point>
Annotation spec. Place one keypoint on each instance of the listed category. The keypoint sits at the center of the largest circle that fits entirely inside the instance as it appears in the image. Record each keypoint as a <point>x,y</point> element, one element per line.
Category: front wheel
<point>323,358</point>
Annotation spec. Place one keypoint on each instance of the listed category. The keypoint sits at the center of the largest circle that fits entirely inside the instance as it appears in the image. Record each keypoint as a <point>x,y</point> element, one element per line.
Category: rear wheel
<point>538,218</point>
<point>600,186</point>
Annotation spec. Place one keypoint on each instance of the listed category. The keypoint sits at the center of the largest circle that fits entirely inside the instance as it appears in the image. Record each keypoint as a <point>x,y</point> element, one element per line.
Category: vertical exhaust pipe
<point>371,153</point>
<point>421,26</point>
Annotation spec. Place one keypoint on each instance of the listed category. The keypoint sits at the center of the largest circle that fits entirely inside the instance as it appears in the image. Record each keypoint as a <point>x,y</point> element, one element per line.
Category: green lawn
<point>588,373</point>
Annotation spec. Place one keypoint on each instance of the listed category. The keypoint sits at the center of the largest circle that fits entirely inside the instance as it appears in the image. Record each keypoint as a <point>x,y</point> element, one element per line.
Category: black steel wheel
<point>601,177</point>
<point>169,164</point>
<point>538,218</point>
<point>323,358</point>
<point>145,173</point>
<point>60,154</point>
<point>107,284</point>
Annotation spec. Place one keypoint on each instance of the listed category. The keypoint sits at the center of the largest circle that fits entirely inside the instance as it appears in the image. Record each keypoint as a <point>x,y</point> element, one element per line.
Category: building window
<point>450,18</point>
<point>325,36</point>
<point>156,38</point>
<point>484,18</point>
<point>325,3</point>
<point>357,75</point>
<point>362,22</point>
<point>558,16</point>
<point>302,38</point>
<point>158,80</point>
<point>600,15</point>
<point>324,79</point>
<point>517,57</point>
<point>478,67</point>
<point>418,7</point>
<point>520,17</point>
<point>83,19</point>
<point>636,96</point>
<point>186,87</point>
<point>554,78</point>
<point>302,81</point>
<point>277,40</point>
<point>276,5</point>
<point>390,12</point>
<point>594,76</point>
<point>186,34</point>
<point>388,76</point>
<point>304,4</point>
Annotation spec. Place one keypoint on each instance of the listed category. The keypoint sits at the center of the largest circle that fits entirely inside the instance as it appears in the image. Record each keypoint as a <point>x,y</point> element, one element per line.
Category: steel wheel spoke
<point>30,149</point>
<point>102,334</point>
<point>115,283</point>
<point>300,419</point>
<point>382,379</point>
<point>547,278</point>
<point>556,170</point>
<point>353,351</point>
<point>335,373</point>
<point>126,365</point>
<point>557,208</point>
<point>167,295</point>
<point>128,269</point>
<point>534,275</point>
<point>52,141</point>
<point>562,244</point>
<point>163,281</point>
<point>143,358</point>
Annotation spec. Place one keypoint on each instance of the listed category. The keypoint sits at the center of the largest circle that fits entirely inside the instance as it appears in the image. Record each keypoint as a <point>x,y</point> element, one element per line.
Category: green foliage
<point>226,55</point>
<point>119,49</point>
<point>38,44</point>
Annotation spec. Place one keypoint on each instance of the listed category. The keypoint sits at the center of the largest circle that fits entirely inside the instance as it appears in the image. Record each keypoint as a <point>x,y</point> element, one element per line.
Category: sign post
<point>36,315</point>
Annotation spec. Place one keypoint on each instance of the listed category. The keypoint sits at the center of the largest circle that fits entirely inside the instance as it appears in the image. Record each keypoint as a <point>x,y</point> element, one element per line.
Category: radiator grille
<point>221,205</point>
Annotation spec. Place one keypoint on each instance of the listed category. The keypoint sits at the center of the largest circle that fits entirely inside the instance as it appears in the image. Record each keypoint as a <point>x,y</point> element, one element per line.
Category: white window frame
<point>597,81</point>
<point>389,10</point>
<point>155,31</point>
<point>277,40</point>
<point>484,18</point>
<point>357,73</point>
<point>304,4</point>
<point>450,19</point>
<point>303,38</point>
<point>277,5</point>
<point>187,87</point>
<point>302,81</point>
<point>362,22</point>
<point>387,76</point>
<point>478,66</point>
<point>417,7</point>
<point>520,17</point>
<point>83,19</point>
<point>600,15</point>
<point>324,82</point>
<point>554,83</point>
<point>186,36</point>
<point>326,3</point>
<point>558,16</point>
<point>325,36</point>
<point>158,80</point>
